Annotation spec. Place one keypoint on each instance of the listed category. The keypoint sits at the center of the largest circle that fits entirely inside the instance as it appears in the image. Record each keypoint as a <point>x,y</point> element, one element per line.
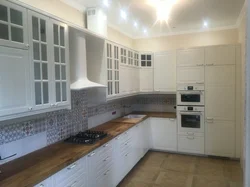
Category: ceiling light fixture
<point>205,24</point>
<point>145,31</point>
<point>106,3</point>
<point>123,14</point>
<point>163,8</point>
<point>135,24</point>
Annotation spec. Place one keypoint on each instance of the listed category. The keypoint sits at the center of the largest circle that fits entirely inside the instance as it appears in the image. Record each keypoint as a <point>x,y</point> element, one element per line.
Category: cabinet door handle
<point>41,185</point>
<point>118,138</point>
<point>210,119</point>
<point>209,64</point>
<point>199,64</point>
<point>190,138</point>
<point>71,167</point>
<point>105,159</point>
<point>30,108</point>
<point>106,173</point>
<point>190,133</point>
<point>106,145</point>
<point>199,82</point>
<point>73,184</point>
<point>92,154</point>
<point>171,119</point>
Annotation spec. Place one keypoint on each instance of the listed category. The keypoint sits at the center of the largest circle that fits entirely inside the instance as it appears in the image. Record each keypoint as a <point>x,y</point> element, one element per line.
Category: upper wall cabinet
<point>165,71</point>
<point>190,57</point>
<point>146,60</point>
<point>123,52</point>
<point>13,25</point>
<point>35,80</point>
<point>220,55</point>
<point>136,59</point>
<point>113,69</point>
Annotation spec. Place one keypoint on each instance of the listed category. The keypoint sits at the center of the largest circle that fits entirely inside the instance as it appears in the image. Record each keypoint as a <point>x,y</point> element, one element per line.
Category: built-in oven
<point>190,95</point>
<point>190,119</point>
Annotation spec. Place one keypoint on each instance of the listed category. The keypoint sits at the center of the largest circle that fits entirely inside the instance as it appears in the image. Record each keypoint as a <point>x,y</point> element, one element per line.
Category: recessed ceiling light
<point>106,3</point>
<point>135,24</point>
<point>123,14</point>
<point>145,31</point>
<point>205,24</point>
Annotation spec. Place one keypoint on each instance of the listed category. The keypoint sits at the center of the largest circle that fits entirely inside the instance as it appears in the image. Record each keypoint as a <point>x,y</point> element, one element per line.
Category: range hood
<point>78,62</point>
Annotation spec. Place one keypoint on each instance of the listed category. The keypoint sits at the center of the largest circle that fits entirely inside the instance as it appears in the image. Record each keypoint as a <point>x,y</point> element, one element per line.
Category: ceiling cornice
<point>242,14</point>
<point>75,5</point>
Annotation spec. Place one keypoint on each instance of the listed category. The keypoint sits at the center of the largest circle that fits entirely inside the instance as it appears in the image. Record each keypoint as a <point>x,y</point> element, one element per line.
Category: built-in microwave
<point>190,119</point>
<point>190,95</point>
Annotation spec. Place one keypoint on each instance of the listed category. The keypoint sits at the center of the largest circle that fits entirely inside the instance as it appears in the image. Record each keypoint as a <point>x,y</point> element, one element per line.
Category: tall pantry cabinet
<point>220,100</point>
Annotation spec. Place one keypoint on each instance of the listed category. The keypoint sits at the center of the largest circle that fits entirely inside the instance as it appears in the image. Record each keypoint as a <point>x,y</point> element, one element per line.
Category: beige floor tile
<point>205,181</point>
<point>186,167</point>
<point>209,169</point>
<point>233,173</point>
<point>181,158</point>
<point>145,175</point>
<point>135,184</point>
<point>172,178</point>
<point>236,184</point>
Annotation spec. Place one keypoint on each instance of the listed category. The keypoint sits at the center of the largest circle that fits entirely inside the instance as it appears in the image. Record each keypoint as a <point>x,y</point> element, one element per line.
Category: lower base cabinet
<point>164,134</point>
<point>191,144</point>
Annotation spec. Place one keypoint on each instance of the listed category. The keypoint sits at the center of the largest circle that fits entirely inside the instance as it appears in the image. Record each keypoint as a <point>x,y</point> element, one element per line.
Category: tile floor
<point>159,169</point>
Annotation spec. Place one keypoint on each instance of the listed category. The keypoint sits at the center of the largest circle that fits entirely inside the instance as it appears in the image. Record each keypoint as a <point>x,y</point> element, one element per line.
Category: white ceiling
<point>186,16</point>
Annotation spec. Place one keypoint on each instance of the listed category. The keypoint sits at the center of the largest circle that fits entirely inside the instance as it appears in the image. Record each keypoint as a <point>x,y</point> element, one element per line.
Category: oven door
<point>190,121</point>
<point>190,98</point>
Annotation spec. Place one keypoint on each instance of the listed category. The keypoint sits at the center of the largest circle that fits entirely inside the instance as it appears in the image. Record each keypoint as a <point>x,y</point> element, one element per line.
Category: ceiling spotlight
<point>123,14</point>
<point>135,24</point>
<point>106,3</point>
<point>145,31</point>
<point>205,24</point>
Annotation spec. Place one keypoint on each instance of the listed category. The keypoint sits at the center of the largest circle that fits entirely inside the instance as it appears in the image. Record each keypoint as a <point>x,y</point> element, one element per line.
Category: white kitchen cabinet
<point>146,60</point>
<point>146,80</point>
<point>124,71</point>
<point>13,25</point>
<point>220,55</point>
<point>46,183</point>
<point>15,84</point>
<point>191,144</point>
<point>164,134</point>
<point>190,75</point>
<point>190,57</point>
<point>220,92</point>
<point>113,69</point>
<point>220,138</point>
<point>41,62</point>
<point>165,71</point>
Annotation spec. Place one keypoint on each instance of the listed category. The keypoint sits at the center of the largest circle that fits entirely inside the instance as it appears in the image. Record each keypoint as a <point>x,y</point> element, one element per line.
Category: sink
<point>134,116</point>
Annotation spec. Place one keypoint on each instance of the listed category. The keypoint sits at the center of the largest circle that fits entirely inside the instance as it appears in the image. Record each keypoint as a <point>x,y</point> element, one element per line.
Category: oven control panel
<point>190,87</point>
<point>190,108</point>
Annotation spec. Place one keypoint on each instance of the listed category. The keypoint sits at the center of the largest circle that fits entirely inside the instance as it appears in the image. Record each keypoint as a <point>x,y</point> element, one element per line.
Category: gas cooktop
<point>87,137</point>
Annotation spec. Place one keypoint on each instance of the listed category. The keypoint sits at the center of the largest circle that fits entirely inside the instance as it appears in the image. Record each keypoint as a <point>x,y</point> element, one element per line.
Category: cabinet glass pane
<point>35,29</point>
<point>3,13</point>
<point>4,32</point>
<point>45,71</point>
<point>36,51</point>
<point>143,63</point>
<point>43,30</point>
<point>148,57</point>
<point>63,69</point>
<point>64,91</point>
<point>16,34</point>
<point>38,93</point>
<point>37,72</point>
<point>148,63</point>
<point>143,57</point>
<point>56,54</point>
<point>57,72</point>
<point>44,52</point>
<point>45,92</point>
<point>62,42</point>
<point>62,55</point>
<point>55,28</point>
<point>16,17</point>
<point>58,92</point>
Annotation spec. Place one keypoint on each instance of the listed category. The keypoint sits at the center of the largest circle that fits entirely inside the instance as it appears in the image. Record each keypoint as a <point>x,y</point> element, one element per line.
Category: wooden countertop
<point>37,166</point>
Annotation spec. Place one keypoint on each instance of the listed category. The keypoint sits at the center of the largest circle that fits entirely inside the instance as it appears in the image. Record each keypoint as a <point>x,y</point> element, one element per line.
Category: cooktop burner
<point>87,137</point>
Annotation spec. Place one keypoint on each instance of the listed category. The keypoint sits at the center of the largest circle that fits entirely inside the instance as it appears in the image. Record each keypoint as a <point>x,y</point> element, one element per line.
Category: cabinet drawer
<point>191,144</point>
<point>46,183</point>
<point>191,134</point>
<point>74,170</point>
<point>79,181</point>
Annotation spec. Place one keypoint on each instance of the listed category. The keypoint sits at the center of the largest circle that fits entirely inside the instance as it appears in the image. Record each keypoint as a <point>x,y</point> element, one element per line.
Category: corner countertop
<point>37,166</point>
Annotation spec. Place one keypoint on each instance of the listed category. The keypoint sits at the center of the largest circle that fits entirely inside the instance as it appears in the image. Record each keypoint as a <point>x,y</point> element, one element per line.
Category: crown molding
<point>75,5</point>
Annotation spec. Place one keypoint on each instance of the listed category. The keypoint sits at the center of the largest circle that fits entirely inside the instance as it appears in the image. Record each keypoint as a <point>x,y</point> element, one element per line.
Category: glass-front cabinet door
<point>116,70</point>
<point>39,48</point>
<point>60,61</point>
<point>13,25</point>
<point>109,59</point>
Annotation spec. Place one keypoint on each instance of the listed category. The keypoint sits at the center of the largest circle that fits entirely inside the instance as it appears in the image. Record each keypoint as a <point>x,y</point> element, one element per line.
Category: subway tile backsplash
<point>56,126</point>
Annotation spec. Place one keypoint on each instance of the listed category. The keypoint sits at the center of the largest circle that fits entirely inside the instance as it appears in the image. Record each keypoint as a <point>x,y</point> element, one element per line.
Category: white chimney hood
<point>78,62</point>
